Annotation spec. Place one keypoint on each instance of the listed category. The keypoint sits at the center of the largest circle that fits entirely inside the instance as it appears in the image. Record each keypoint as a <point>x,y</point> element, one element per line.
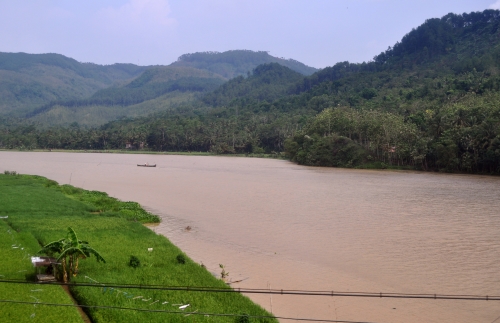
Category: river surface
<point>281,226</point>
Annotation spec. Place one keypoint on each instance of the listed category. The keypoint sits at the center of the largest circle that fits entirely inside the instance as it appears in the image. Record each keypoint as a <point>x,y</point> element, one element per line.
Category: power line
<point>178,312</point>
<point>272,291</point>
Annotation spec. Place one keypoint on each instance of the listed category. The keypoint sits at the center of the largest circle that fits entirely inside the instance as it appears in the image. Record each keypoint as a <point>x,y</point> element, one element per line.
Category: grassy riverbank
<point>40,211</point>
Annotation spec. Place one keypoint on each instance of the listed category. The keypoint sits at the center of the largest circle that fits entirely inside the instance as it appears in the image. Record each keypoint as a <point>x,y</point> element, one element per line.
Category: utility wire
<point>271,291</point>
<point>178,312</point>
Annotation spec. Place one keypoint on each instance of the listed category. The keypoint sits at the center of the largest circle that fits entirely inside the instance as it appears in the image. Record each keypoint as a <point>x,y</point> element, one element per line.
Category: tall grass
<point>110,227</point>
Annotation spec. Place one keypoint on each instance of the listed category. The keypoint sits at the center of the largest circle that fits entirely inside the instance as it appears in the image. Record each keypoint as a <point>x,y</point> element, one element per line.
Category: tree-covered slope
<point>143,94</point>
<point>449,46</point>
<point>234,63</point>
<point>28,81</point>
<point>431,101</point>
<point>267,82</point>
<point>157,88</point>
<point>95,114</point>
<point>158,81</point>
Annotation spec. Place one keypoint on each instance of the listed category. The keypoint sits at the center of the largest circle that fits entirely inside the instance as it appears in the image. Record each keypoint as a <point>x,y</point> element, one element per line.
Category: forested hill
<point>158,81</point>
<point>155,82</point>
<point>161,88</point>
<point>267,82</point>
<point>453,44</point>
<point>234,63</point>
<point>105,73</point>
<point>28,81</point>
<point>432,101</point>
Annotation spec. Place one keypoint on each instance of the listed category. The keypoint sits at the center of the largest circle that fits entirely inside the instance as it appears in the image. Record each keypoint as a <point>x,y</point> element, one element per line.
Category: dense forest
<point>430,102</point>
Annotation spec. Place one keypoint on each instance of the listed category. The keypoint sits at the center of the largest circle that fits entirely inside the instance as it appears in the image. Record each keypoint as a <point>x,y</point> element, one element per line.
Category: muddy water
<point>282,226</point>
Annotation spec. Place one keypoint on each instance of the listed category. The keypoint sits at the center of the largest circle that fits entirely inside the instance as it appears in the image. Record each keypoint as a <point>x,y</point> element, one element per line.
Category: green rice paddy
<point>35,211</point>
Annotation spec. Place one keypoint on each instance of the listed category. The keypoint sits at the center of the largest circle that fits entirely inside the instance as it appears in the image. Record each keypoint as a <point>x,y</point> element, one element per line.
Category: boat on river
<point>146,165</point>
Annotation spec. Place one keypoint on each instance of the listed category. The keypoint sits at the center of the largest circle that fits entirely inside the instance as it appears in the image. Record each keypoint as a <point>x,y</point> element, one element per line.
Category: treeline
<point>462,136</point>
<point>220,131</point>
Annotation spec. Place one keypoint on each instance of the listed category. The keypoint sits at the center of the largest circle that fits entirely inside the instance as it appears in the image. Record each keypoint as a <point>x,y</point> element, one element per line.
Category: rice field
<point>40,211</point>
<point>15,252</point>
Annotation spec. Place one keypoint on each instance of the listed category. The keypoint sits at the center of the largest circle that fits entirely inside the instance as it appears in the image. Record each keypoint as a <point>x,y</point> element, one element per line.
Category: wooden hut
<point>50,265</point>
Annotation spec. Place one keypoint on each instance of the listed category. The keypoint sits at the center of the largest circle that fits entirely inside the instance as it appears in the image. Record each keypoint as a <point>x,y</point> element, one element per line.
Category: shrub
<point>181,259</point>
<point>134,262</point>
<point>50,183</point>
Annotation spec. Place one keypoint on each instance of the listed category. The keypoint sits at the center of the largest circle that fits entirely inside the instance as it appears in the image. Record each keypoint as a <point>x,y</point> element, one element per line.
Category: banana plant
<point>70,250</point>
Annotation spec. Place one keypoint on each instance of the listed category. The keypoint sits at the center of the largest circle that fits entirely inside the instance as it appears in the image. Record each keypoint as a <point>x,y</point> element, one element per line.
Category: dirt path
<point>84,316</point>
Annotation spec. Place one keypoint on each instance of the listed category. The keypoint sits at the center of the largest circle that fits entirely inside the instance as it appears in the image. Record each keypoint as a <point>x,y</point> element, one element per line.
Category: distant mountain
<point>267,82</point>
<point>163,87</point>
<point>28,81</point>
<point>157,89</point>
<point>234,63</point>
<point>158,81</point>
<point>152,84</point>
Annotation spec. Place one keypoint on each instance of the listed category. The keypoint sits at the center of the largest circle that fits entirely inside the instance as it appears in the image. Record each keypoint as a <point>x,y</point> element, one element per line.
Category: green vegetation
<point>268,82</point>
<point>134,262</point>
<point>16,249</point>
<point>69,251</point>
<point>45,217</point>
<point>429,102</point>
<point>28,81</point>
<point>108,206</point>
<point>159,88</point>
<point>152,84</point>
<point>92,115</point>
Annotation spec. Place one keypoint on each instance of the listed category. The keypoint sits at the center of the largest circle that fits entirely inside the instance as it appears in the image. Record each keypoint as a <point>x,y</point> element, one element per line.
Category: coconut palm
<point>70,250</point>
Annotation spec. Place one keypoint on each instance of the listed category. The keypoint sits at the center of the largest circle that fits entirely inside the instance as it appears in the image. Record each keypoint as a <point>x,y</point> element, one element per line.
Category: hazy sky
<point>318,33</point>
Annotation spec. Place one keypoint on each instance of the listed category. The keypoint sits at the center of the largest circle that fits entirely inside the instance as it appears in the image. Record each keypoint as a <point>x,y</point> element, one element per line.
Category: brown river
<point>277,225</point>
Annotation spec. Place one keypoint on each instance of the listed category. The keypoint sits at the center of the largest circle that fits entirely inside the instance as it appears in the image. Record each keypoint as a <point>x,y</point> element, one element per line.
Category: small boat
<point>146,165</point>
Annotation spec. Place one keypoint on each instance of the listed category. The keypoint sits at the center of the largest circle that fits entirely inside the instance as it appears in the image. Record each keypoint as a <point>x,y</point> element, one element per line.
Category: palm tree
<point>70,250</point>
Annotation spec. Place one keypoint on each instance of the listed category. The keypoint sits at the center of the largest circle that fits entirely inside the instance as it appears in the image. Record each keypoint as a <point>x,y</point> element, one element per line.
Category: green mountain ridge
<point>28,81</point>
<point>150,85</point>
<point>193,74</point>
<point>235,63</point>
